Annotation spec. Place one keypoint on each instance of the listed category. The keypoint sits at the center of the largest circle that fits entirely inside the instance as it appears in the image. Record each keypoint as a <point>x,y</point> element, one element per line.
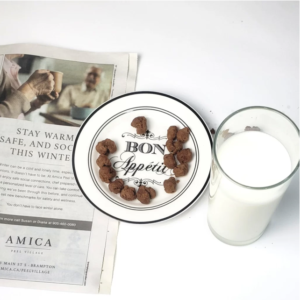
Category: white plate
<point>112,120</point>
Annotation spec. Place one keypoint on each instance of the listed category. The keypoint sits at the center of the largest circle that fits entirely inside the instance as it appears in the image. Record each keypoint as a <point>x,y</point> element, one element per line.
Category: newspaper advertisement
<point>51,237</point>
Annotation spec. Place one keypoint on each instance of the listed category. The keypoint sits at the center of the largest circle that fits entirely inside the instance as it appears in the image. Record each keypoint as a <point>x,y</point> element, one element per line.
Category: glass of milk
<point>255,155</point>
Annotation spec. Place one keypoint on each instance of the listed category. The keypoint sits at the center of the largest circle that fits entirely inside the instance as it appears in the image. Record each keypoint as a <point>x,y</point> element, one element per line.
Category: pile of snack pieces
<point>174,144</point>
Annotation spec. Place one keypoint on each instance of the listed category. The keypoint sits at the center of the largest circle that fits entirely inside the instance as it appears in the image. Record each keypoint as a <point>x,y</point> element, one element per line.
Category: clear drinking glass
<point>238,214</point>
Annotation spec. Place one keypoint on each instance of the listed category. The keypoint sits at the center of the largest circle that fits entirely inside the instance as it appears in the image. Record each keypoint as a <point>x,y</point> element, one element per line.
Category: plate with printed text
<point>139,159</point>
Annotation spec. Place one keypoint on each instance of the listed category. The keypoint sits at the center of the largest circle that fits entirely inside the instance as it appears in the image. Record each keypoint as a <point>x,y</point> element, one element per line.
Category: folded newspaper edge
<point>124,80</point>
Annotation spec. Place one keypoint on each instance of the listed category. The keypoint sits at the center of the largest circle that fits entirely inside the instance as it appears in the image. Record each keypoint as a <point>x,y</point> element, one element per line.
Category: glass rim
<point>216,157</point>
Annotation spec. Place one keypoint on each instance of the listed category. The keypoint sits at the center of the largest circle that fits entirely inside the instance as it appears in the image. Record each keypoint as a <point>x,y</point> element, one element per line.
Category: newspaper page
<point>51,237</point>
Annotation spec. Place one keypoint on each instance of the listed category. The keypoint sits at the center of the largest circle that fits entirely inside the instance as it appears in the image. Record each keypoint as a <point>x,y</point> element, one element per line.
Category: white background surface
<point>218,57</point>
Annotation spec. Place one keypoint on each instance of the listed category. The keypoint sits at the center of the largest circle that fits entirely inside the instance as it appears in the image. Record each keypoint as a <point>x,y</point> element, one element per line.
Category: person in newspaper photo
<point>53,91</point>
<point>18,99</point>
<point>85,95</point>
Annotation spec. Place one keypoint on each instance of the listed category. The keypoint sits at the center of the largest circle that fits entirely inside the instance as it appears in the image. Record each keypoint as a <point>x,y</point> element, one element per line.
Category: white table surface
<point>218,57</point>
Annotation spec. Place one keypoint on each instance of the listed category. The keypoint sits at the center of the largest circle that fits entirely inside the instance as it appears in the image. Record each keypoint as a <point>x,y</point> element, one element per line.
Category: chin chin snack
<point>183,135</point>
<point>173,146</point>
<point>169,161</point>
<point>103,161</point>
<point>170,185</point>
<point>181,170</point>
<point>184,156</point>
<point>140,123</point>
<point>172,132</point>
<point>116,186</point>
<point>107,174</point>
<point>128,193</point>
<point>145,194</point>
<point>106,147</point>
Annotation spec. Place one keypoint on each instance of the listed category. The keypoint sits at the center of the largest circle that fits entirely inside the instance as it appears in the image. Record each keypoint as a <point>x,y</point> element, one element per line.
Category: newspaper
<point>50,236</point>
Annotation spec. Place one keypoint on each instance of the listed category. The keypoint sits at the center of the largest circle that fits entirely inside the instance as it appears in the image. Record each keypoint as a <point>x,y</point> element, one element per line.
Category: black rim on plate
<point>123,96</point>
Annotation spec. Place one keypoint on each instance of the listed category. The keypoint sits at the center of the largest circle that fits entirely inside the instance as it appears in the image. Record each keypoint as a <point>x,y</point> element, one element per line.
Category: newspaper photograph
<point>51,237</point>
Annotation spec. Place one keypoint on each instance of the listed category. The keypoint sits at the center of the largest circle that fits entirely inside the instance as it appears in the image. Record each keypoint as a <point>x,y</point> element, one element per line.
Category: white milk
<point>239,215</point>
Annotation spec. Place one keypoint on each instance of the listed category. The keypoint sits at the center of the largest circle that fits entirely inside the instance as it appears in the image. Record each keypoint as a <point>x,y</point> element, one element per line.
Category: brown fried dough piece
<point>140,123</point>
<point>169,161</point>
<point>185,155</point>
<point>107,174</point>
<point>181,170</point>
<point>106,147</point>
<point>173,146</point>
<point>170,185</point>
<point>128,193</point>
<point>116,186</point>
<point>145,194</point>
<point>103,161</point>
<point>183,134</point>
<point>172,132</point>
